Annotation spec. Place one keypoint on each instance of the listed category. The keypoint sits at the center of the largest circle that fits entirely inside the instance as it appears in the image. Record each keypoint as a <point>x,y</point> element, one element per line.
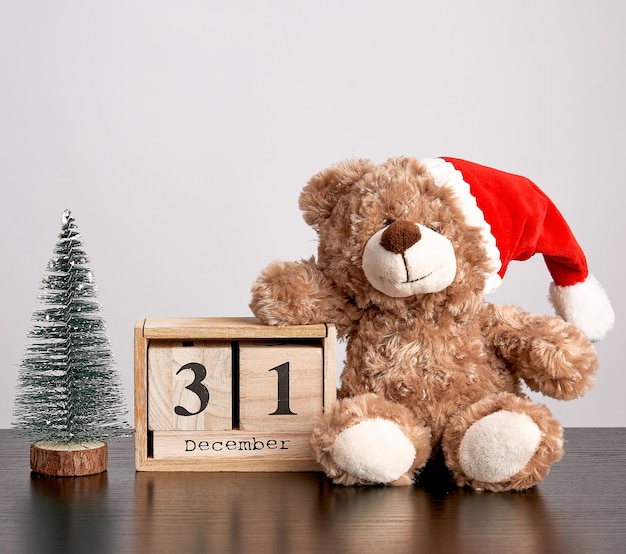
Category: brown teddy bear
<point>407,249</point>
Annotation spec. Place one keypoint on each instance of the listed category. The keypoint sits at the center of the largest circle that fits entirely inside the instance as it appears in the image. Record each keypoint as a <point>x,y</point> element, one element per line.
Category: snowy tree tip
<point>65,218</point>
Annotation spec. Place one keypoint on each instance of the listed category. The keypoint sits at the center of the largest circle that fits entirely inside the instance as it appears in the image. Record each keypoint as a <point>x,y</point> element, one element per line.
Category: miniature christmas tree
<point>69,396</point>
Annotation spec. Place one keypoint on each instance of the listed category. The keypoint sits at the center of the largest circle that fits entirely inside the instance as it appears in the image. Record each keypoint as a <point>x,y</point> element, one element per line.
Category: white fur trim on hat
<point>586,305</point>
<point>445,174</point>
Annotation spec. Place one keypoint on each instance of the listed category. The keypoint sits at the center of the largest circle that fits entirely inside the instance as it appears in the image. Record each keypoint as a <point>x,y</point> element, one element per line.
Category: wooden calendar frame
<point>279,449</point>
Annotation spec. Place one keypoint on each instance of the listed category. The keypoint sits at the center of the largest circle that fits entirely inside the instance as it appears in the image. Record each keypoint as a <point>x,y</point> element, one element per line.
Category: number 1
<point>283,390</point>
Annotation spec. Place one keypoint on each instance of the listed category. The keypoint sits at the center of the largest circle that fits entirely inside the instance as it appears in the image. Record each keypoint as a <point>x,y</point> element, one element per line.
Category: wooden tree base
<point>68,459</point>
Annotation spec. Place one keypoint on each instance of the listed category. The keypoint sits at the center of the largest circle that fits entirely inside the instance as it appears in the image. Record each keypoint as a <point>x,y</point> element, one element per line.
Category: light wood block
<point>225,328</point>
<point>235,445</point>
<point>281,385</point>
<point>190,385</point>
<point>230,394</point>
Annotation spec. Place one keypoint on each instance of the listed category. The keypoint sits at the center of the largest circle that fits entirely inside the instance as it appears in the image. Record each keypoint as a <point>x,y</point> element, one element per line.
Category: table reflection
<point>69,513</point>
<point>301,512</point>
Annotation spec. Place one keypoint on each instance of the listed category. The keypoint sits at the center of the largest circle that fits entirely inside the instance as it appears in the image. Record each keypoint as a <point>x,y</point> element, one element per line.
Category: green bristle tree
<point>68,390</point>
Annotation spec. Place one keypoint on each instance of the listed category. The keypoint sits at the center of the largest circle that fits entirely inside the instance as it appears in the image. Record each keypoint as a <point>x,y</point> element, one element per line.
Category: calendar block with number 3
<point>229,394</point>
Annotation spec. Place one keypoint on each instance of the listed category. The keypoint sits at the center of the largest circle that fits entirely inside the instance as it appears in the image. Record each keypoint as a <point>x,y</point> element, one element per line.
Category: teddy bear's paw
<point>367,439</point>
<point>499,446</point>
<point>502,442</point>
<point>288,293</point>
<point>563,366</point>
<point>374,451</point>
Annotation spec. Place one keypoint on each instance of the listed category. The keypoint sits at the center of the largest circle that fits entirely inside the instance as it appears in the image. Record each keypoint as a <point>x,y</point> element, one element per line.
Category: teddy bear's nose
<point>400,236</point>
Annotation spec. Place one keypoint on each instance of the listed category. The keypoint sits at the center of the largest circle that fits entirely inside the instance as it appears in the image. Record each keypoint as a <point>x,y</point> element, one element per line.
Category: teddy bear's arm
<point>552,356</point>
<point>297,293</point>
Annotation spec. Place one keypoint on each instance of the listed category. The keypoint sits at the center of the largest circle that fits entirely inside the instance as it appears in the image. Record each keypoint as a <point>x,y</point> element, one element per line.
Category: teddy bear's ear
<point>319,196</point>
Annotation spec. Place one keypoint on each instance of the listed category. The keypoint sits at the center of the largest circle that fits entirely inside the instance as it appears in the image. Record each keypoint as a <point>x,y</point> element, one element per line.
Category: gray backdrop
<point>180,135</point>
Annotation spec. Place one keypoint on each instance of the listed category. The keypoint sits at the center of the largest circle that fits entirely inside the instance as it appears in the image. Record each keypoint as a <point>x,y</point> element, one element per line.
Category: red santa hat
<point>517,220</point>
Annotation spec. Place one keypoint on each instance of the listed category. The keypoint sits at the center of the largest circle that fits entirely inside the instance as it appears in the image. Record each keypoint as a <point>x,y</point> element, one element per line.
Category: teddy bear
<point>407,251</point>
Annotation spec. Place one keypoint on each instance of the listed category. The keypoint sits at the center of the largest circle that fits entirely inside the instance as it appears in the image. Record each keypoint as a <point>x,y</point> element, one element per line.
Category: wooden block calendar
<point>230,394</point>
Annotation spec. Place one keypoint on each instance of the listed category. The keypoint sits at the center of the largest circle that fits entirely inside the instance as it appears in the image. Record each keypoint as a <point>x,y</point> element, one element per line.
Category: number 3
<point>196,387</point>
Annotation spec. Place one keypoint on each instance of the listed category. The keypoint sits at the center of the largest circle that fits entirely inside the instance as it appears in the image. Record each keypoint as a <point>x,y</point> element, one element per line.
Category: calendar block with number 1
<point>229,394</point>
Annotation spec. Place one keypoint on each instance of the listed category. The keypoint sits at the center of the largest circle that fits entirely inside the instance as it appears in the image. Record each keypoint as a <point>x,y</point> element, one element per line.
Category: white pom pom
<point>585,305</point>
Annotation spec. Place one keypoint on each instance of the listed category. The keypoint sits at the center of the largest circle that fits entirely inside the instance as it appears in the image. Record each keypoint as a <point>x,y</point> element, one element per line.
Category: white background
<point>180,134</point>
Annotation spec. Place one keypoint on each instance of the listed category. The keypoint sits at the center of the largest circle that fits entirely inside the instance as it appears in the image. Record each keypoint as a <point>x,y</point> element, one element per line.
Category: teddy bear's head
<point>438,233</point>
<point>390,236</point>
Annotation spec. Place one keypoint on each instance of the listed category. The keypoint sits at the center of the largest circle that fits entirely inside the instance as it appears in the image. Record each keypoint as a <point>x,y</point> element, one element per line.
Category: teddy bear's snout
<point>400,236</point>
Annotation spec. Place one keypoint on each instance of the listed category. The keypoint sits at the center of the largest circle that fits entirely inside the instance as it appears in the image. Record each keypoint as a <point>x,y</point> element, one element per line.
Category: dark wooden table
<point>580,508</point>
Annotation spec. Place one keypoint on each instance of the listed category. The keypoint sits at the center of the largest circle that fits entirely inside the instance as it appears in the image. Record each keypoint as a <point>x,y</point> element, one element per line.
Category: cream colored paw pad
<point>375,450</point>
<point>498,446</point>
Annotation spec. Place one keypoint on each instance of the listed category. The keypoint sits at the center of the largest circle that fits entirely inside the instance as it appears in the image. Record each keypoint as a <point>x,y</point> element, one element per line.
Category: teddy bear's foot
<point>498,446</point>
<point>374,451</point>
<point>503,442</point>
<point>369,440</point>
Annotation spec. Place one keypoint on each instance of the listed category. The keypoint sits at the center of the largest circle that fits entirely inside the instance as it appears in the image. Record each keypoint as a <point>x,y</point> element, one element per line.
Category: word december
<point>236,445</point>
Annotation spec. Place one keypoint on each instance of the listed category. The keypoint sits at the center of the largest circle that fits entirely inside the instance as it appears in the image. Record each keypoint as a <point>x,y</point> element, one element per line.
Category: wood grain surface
<point>580,508</point>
